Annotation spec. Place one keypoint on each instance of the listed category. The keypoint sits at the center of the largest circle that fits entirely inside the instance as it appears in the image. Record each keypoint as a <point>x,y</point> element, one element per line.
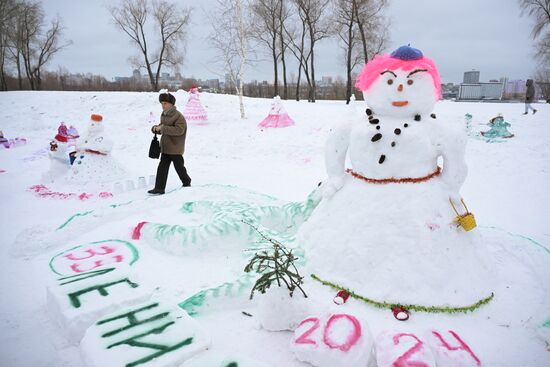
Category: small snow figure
<point>385,229</point>
<point>93,162</point>
<point>3,141</point>
<point>277,117</point>
<point>193,110</point>
<point>499,129</point>
<point>60,159</point>
<point>11,143</point>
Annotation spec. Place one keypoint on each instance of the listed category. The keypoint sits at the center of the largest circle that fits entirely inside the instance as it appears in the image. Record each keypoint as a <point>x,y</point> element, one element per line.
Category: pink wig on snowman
<point>405,58</point>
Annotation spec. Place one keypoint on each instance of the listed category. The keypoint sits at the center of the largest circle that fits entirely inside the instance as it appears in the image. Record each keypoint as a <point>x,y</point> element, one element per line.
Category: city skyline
<point>458,37</point>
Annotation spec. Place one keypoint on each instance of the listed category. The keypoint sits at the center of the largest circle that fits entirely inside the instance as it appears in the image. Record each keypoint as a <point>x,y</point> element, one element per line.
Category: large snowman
<point>386,228</point>
<point>94,164</point>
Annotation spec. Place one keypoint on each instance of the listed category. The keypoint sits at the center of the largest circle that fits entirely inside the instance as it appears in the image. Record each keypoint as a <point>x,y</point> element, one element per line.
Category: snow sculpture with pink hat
<point>193,110</point>
<point>93,162</point>
<point>277,117</point>
<point>59,150</point>
<point>386,228</point>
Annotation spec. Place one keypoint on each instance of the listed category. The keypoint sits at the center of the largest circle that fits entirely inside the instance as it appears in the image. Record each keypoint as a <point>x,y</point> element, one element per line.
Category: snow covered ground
<point>506,188</point>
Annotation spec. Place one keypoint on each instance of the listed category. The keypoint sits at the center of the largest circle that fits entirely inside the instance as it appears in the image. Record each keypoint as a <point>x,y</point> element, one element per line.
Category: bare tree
<point>265,28</point>
<point>231,37</point>
<point>284,15</point>
<point>313,15</point>
<point>7,11</point>
<point>345,19</point>
<point>362,32</point>
<point>295,40</point>
<point>540,11</point>
<point>373,27</point>
<point>171,23</point>
<point>31,44</point>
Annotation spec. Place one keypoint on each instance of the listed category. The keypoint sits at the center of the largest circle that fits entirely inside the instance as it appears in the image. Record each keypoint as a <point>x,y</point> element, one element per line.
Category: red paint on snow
<point>136,233</point>
<point>44,192</point>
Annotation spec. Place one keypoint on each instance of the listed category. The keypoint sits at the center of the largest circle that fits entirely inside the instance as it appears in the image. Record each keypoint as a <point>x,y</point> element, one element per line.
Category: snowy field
<point>232,159</point>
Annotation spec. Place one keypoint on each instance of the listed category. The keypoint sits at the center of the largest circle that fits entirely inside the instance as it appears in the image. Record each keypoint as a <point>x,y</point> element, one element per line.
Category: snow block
<point>77,301</point>
<point>335,340</point>
<point>450,350</point>
<point>149,334</point>
<point>93,256</point>
<point>278,311</point>
<point>402,349</point>
<point>223,360</point>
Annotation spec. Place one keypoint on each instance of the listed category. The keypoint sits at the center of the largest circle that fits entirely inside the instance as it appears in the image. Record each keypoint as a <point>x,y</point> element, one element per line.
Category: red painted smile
<point>400,103</point>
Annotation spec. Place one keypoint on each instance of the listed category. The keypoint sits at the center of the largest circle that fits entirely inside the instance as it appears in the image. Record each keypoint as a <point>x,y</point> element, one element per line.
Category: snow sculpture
<point>193,110</point>
<point>277,117</point>
<point>149,334</point>
<point>93,162</point>
<point>385,228</point>
<point>77,301</point>
<point>451,350</point>
<point>58,153</point>
<point>499,129</point>
<point>333,340</point>
<point>402,349</point>
<point>11,143</point>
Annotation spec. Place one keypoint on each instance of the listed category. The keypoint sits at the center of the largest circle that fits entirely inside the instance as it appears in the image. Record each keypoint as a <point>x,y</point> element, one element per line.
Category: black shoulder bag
<point>154,149</point>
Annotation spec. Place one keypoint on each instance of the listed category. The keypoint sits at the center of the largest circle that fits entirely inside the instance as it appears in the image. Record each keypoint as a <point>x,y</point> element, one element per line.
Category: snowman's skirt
<point>90,168</point>
<point>396,243</point>
<point>279,120</point>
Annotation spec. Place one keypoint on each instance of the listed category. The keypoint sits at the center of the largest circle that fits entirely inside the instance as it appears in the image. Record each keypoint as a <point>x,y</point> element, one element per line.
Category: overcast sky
<point>485,35</point>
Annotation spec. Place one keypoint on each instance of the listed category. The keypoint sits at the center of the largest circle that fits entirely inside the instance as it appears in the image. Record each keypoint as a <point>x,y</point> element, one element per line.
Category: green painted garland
<point>410,307</point>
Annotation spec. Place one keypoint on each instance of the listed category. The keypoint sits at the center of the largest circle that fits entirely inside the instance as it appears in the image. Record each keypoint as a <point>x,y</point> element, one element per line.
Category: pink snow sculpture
<point>193,110</point>
<point>277,117</point>
<point>11,143</point>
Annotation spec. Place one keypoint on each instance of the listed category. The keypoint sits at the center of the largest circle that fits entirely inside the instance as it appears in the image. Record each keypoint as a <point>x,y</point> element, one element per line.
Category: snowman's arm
<point>452,147</point>
<point>335,151</point>
<point>179,128</point>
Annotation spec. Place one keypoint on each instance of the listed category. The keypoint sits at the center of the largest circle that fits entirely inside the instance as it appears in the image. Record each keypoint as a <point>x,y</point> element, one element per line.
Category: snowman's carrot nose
<point>400,88</point>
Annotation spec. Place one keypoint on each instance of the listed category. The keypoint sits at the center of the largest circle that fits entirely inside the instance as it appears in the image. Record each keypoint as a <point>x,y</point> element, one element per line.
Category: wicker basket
<point>466,220</point>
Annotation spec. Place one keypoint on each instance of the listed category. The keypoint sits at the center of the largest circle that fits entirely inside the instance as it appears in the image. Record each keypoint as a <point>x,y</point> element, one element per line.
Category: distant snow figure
<point>58,153</point>
<point>93,162</point>
<point>277,117</point>
<point>193,110</point>
<point>499,129</point>
<point>11,143</point>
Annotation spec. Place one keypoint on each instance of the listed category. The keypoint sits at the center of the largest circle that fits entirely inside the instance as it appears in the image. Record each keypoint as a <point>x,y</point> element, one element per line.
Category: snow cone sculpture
<point>387,229</point>
<point>193,110</point>
<point>93,162</point>
<point>277,117</point>
<point>499,129</point>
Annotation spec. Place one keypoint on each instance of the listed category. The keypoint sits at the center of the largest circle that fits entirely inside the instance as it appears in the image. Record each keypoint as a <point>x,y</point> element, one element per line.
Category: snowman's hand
<point>334,184</point>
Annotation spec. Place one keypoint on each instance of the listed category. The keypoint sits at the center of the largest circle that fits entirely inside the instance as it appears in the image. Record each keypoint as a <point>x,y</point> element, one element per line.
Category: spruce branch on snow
<point>275,264</point>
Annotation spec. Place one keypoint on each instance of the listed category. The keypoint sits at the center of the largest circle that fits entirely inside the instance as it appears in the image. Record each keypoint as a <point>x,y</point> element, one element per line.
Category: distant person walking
<point>173,129</point>
<point>529,96</point>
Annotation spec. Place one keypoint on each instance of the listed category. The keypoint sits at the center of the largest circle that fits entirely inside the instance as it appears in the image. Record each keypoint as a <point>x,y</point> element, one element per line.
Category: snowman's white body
<point>94,163</point>
<point>59,163</point>
<point>396,241</point>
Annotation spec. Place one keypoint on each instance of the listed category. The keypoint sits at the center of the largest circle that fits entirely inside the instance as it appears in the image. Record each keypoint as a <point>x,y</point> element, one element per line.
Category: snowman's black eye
<point>410,82</point>
<point>390,81</point>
